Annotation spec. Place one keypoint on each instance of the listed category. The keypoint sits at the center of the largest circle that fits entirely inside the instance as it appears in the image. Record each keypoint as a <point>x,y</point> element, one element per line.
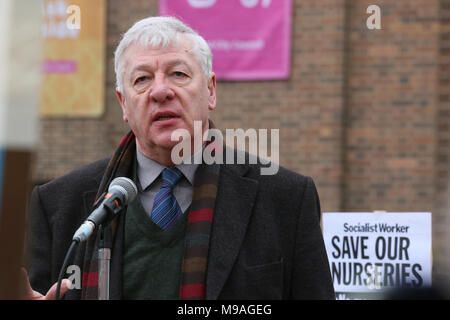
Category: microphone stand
<point>104,259</point>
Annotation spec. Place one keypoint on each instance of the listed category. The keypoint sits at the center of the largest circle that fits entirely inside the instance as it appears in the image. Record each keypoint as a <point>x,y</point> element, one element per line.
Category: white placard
<point>373,251</point>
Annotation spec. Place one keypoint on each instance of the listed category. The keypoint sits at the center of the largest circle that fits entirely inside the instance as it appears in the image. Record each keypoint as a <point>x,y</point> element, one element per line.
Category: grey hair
<point>161,32</point>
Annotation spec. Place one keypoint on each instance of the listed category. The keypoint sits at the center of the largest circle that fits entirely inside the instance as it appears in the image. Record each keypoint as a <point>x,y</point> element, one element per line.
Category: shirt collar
<point>148,170</point>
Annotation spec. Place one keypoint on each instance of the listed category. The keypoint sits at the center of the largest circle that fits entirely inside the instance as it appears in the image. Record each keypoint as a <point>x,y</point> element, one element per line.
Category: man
<point>195,231</point>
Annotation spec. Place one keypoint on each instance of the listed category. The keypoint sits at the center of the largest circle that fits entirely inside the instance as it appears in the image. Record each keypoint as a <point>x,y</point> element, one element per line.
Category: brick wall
<point>364,112</point>
<point>442,171</point>
<point>391,110</point>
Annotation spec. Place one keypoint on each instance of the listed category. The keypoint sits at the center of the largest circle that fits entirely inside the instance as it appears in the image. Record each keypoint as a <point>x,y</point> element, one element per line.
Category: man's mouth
<point>165,116</point>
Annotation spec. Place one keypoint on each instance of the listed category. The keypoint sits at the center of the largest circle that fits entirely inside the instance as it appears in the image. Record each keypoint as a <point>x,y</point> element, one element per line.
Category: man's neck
<point>160,155</point>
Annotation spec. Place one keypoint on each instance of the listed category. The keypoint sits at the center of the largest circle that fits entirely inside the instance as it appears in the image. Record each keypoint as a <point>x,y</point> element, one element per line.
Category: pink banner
<point>250,39</point>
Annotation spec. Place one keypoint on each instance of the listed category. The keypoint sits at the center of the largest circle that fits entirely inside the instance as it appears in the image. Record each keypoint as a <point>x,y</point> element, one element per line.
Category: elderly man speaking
<point>194,230</point>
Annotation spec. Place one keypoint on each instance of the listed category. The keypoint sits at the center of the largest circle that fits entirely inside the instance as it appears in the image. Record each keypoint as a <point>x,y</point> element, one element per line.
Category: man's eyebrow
<point>176,62</point>
<point>140,67</point>
<point>170,64</point>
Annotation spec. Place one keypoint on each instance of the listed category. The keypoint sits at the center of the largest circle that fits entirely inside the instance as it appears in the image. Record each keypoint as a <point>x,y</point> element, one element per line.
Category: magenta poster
<point>250,39</point>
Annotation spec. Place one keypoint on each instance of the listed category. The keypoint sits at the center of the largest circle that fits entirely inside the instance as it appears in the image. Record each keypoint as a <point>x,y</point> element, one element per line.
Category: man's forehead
<point>137,54</point>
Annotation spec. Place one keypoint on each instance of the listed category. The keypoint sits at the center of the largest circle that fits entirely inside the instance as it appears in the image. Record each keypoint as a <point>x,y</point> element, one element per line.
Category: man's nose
<point>161,91</point>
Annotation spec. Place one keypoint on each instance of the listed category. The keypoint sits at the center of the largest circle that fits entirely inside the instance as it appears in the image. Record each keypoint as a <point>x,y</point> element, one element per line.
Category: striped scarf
<point>195,260</point>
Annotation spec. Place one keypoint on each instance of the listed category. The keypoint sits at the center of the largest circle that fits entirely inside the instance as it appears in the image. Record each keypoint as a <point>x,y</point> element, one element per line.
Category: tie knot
<point>171,176</point>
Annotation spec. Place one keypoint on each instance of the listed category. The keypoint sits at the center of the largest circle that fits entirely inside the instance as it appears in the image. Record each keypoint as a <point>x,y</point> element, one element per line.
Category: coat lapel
<point>89,195</point>
<point>88,199</point>
<point>234,203</point>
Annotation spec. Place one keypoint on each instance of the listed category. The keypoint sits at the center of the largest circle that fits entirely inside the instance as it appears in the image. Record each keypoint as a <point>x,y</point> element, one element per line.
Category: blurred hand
<point>29,294</point>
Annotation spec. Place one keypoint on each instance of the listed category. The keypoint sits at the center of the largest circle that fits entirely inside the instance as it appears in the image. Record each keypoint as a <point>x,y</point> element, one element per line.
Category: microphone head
<point>125,186</point>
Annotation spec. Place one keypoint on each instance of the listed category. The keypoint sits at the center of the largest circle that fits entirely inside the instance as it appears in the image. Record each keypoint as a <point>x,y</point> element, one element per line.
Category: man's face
<point>164,90</point>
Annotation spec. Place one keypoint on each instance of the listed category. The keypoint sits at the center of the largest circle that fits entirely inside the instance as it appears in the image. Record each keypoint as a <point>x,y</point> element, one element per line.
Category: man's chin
<point>167,139</point>
<point>166,144</point>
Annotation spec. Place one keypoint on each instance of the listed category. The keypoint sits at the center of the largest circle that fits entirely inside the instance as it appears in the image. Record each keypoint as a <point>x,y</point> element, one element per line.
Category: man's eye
<point>179,74</point>
<point>140,79</point>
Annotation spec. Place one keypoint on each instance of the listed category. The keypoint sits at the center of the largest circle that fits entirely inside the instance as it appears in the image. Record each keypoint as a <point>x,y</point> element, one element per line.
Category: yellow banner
<point>74,53</point>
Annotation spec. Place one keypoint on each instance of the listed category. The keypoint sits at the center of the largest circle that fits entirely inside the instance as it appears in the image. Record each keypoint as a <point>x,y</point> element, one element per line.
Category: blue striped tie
<point>165,207</point>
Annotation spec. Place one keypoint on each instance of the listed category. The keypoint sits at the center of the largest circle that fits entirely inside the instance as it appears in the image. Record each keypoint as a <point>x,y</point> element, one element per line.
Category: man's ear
<point>212,92</point>
<point>122,104</point>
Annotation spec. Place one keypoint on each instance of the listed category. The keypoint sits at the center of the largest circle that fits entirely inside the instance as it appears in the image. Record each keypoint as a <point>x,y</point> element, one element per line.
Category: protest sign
<point>371,253</point>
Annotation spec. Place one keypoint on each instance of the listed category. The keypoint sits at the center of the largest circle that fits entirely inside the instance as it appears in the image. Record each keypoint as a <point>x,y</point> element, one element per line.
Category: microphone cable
<point>69,253</point>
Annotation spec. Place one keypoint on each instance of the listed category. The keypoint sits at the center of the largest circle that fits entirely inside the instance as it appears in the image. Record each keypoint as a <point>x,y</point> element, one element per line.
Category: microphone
<point>121,191</point>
